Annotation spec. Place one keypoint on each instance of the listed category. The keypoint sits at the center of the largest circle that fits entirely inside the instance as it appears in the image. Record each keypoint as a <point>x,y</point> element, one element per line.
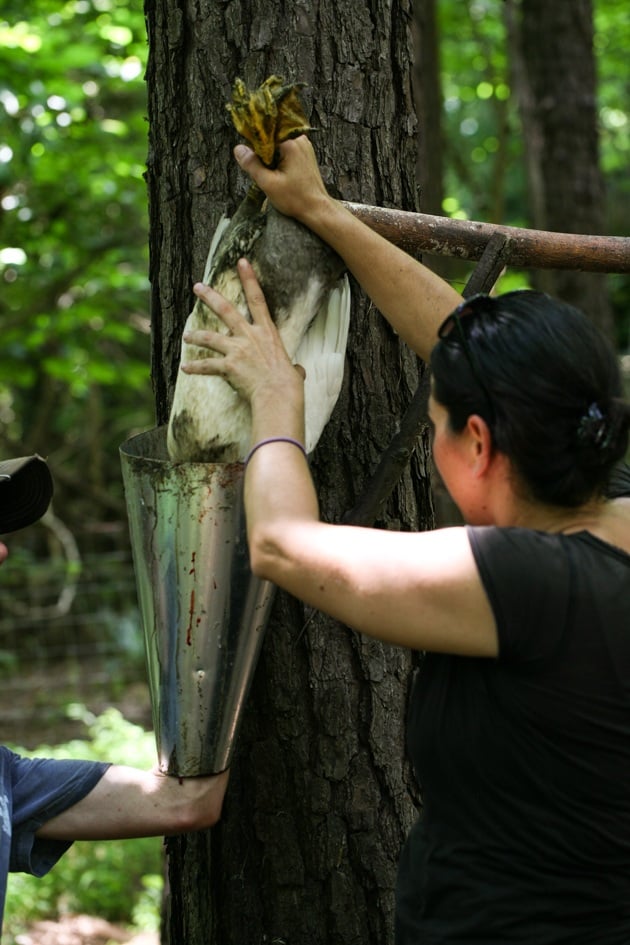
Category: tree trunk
<point>320,797</point>
<point>427,86</point>
<point>553,72</point>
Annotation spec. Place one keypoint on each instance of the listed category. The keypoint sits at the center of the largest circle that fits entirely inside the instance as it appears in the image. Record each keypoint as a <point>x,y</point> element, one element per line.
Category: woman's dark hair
<point>551,391</point>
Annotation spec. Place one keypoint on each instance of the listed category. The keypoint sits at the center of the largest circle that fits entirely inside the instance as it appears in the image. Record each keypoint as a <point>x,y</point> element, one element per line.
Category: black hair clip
<point>593,428</point>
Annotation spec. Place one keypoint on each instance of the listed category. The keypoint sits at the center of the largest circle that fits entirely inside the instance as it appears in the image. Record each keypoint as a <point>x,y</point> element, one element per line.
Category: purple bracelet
<point>274,439</point>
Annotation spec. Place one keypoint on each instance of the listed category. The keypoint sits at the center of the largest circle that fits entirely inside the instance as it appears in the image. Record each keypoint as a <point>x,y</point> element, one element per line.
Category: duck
<point>303,280</point>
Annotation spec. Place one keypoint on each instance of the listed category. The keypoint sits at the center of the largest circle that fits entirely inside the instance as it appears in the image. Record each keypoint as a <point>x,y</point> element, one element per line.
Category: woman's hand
<point>252,358</point>
<point>295,187</point>
<point>413,299</point>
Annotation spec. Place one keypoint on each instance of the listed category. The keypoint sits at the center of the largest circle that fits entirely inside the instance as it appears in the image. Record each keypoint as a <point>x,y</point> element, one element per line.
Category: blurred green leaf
<point>73,218</point>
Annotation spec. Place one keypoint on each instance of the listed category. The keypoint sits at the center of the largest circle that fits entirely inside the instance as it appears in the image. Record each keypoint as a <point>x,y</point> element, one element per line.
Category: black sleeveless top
<point>524,760</point>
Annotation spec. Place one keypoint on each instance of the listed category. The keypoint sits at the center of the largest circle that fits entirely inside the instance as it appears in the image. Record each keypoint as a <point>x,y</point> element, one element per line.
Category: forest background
<point>74,322</point>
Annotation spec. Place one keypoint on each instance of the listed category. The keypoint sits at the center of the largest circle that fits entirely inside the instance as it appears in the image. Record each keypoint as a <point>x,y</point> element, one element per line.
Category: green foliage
<point>484,162</point>
<point>483,151</point>
<point>612,41</point>
<point>73,259</point>
<point>484,173</point>
<point>116,880</point>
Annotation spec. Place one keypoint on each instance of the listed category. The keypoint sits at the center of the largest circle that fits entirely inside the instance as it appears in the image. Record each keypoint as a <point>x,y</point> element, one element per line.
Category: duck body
<point>305,287</point>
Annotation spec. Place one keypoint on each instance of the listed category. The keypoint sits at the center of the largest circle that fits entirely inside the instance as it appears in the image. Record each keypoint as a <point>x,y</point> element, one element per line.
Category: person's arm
<point>128,802</point>
<point>413,299</point>
<point>403,588</point>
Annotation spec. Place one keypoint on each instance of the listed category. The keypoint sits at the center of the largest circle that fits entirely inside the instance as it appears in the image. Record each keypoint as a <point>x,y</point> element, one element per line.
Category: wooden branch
<point>466,239</point>
<point>393,461</point>
<point>490,266</point>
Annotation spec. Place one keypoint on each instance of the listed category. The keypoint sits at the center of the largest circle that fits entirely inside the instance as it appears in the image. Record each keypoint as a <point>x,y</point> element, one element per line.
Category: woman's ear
<point>481,445</point>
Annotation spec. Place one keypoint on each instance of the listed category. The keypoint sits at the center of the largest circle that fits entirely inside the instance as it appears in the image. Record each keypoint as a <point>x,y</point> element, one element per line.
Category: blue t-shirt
<point>32,792</point>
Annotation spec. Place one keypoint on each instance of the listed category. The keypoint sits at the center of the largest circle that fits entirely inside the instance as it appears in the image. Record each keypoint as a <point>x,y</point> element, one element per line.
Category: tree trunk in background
<point>320,797</point>
<point>553,73</point>
<point>427,87</point>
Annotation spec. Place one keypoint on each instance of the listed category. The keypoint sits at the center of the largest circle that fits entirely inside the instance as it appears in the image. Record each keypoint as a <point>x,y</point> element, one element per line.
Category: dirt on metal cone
<point>204,614</point>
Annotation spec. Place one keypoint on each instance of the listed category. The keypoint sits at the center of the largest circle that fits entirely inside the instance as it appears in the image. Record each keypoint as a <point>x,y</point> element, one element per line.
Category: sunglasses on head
<point>453,323</point>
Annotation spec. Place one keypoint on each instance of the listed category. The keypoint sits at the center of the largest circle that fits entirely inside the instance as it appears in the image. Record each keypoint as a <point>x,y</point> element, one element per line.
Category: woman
<point>519,724</point>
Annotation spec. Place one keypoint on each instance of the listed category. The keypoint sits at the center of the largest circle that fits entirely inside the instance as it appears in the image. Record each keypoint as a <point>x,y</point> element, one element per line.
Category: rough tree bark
<point>553,72</point>
<point>320,796</point>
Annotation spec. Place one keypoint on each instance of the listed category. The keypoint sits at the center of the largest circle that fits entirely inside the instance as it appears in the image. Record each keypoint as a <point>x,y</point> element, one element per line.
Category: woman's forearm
<point>413,299</point>
<point>278,485</point>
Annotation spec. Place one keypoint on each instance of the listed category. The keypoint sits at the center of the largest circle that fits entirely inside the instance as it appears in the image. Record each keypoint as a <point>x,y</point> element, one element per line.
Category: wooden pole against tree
<point>467,239</point>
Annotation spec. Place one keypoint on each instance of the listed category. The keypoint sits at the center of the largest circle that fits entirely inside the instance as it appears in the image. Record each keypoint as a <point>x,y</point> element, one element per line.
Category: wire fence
<point>70,631</point>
